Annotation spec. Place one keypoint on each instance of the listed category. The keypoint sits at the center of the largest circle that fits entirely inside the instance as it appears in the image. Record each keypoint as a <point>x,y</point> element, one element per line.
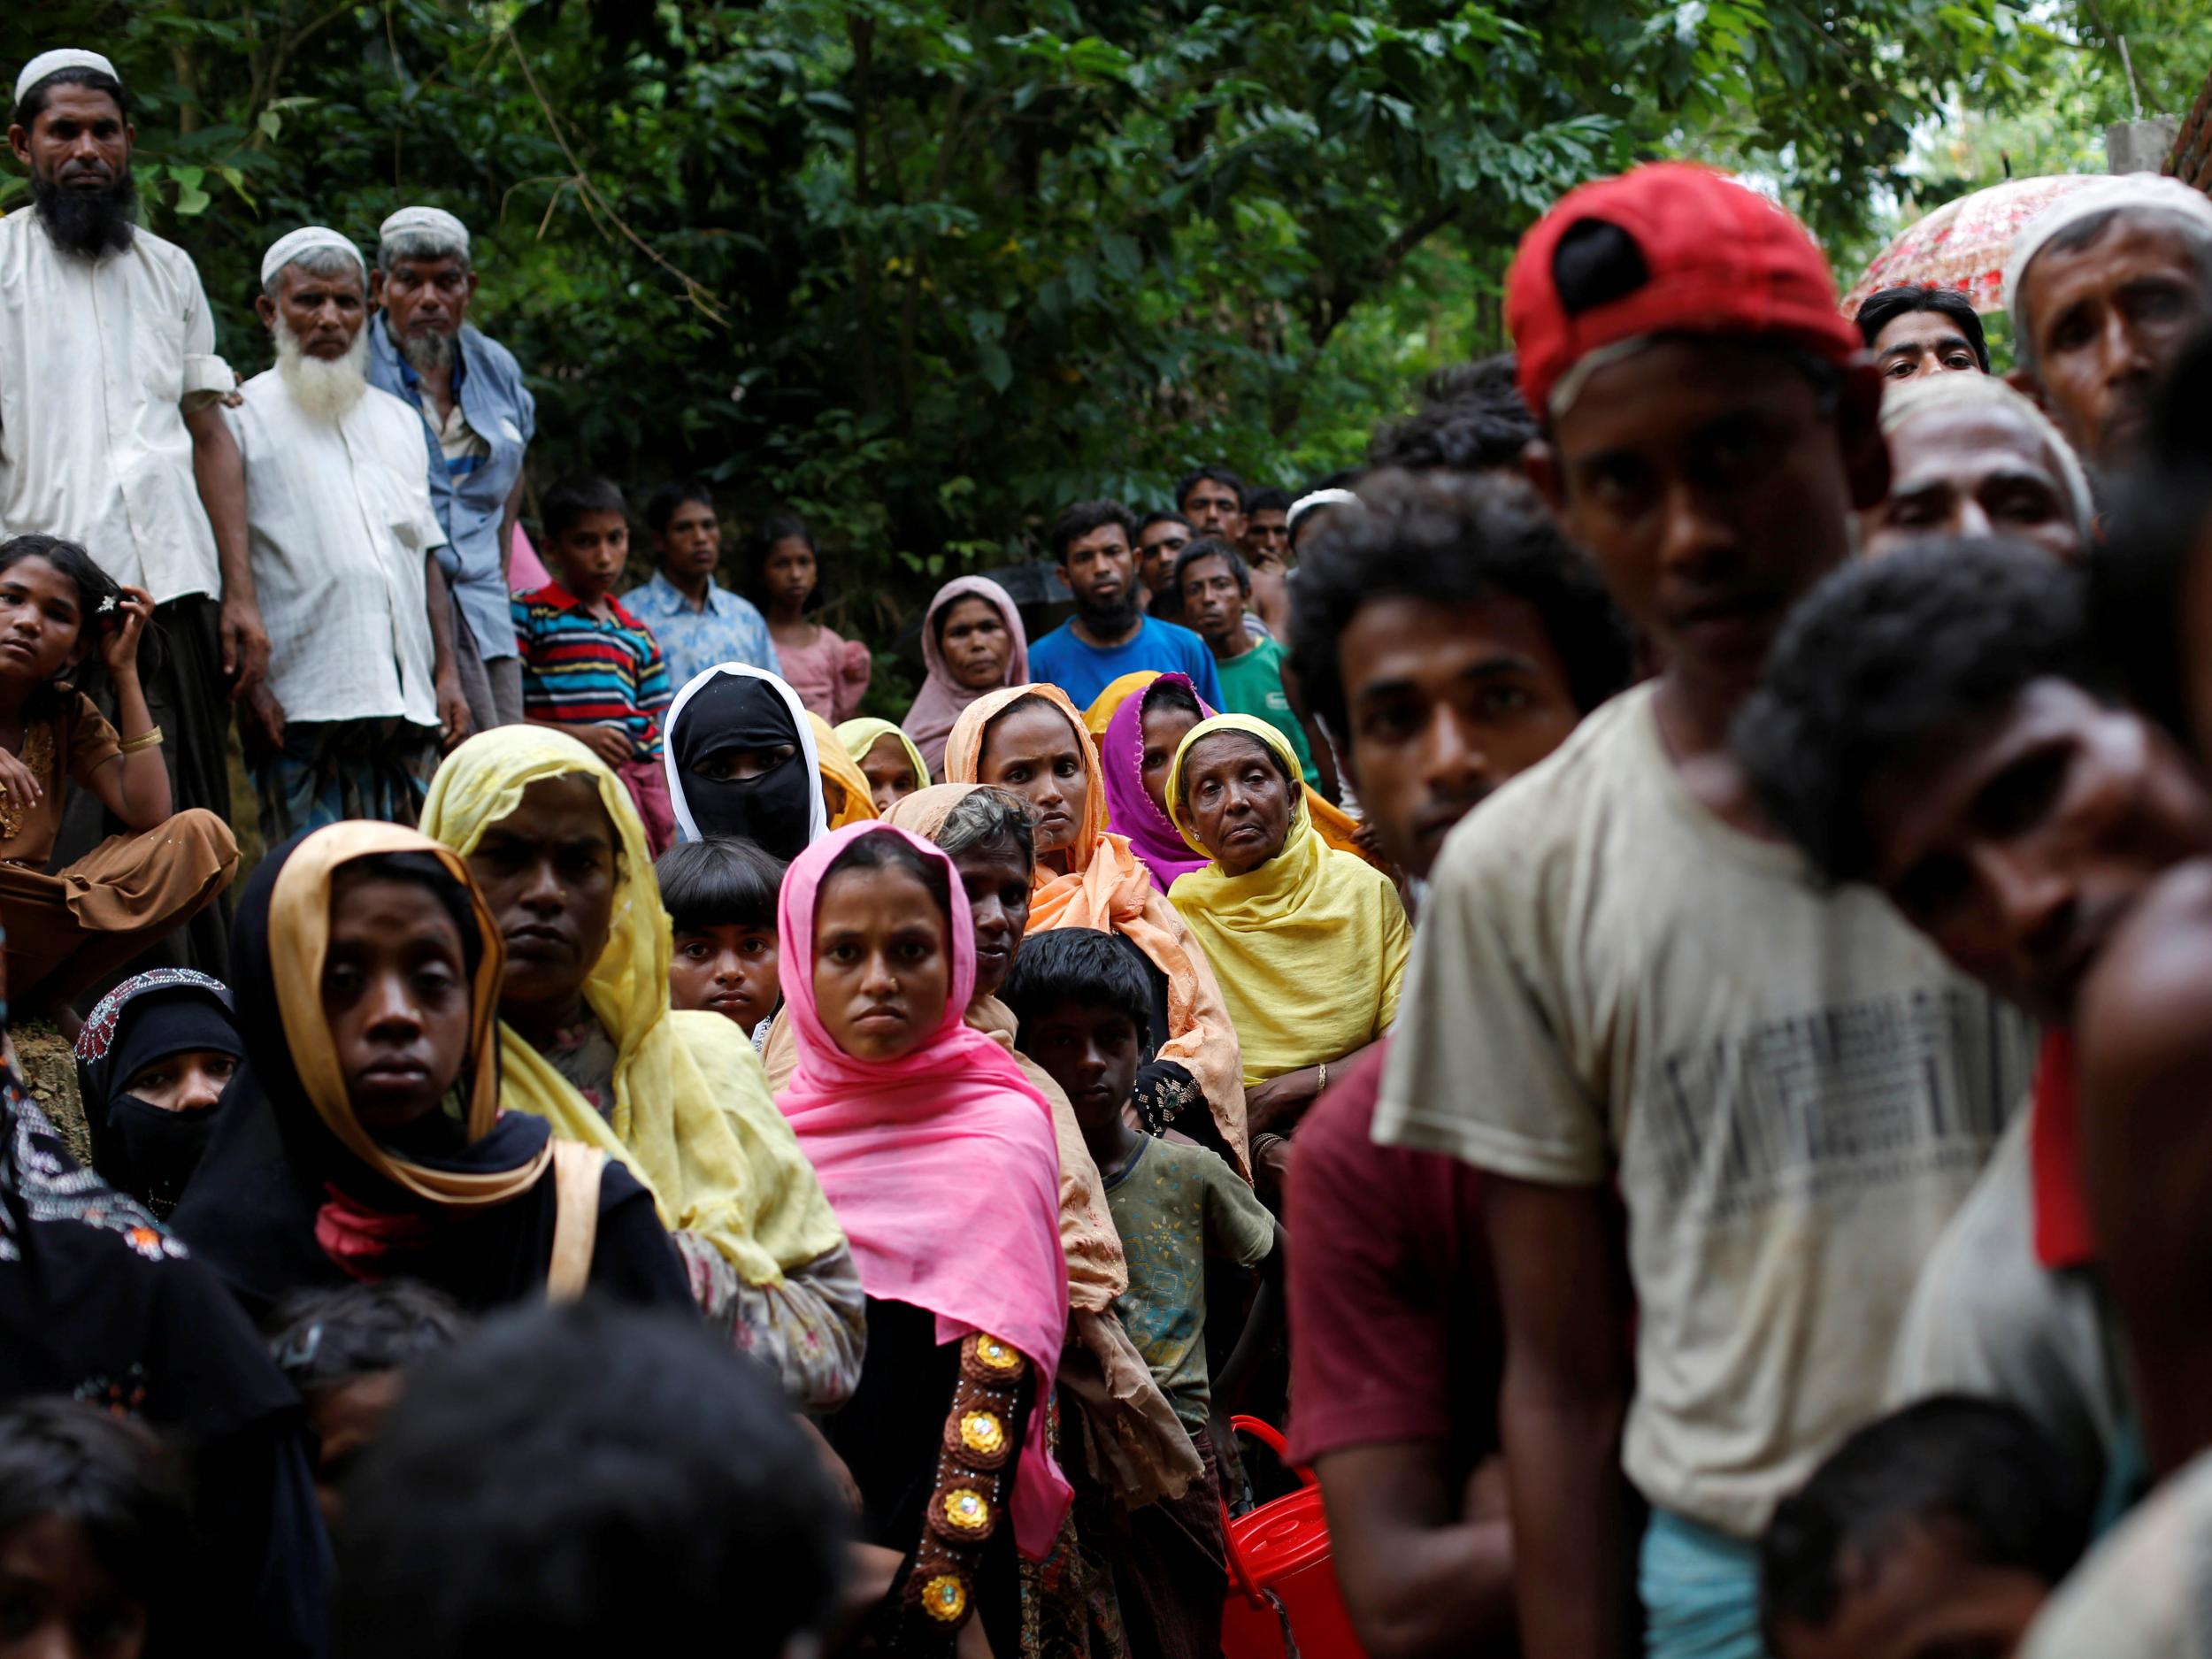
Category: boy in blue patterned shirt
<point>590,668</point>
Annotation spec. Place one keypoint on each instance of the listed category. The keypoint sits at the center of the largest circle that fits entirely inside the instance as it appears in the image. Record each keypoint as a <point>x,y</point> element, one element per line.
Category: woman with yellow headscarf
<point>1030,740</point>
<point>886,758</point>
<point>358,1146</point>
<point>846,796</point>
<point>1310,942</point>
<point>590,1043</point>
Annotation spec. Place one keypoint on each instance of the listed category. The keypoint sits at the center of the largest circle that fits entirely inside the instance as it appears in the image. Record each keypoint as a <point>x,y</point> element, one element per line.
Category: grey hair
<point>320,262</point>
<point>418,244</point>
<point>2082,234</point>
<point>985,816</point>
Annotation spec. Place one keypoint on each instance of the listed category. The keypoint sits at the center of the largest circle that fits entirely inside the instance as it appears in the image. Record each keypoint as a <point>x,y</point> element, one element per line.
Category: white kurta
<point>338,518</point>
<point>97,363</point>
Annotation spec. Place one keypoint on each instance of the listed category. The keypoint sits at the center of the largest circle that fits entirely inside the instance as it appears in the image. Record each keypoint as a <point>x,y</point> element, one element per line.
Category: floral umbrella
<point>1963,244</point>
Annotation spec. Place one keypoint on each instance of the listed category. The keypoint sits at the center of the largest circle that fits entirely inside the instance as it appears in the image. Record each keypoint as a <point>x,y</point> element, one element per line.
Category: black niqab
<point>773,810</point>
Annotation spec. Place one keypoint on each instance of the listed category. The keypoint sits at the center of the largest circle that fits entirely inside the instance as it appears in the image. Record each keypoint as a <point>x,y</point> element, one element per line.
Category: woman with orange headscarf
<point>1031,741</point>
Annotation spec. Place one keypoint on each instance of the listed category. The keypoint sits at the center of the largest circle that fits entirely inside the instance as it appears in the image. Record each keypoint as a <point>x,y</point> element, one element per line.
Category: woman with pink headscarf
<point>939,1157</point>
<point>973,643</point>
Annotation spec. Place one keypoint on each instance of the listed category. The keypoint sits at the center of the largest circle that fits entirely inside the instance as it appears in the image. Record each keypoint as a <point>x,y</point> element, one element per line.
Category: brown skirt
<point>71,929</point>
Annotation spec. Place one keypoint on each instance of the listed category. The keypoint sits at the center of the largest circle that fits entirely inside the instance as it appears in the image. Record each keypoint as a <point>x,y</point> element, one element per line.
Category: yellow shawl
<point>1109,889</point>
<point>1311,947</point>
<point>693,1119</point>
<point>830,758</point>
<point>1337,826</point>
<point>858,737</point>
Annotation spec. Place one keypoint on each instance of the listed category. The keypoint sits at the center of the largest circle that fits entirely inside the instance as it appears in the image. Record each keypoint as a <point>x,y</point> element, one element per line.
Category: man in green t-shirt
<point>1215,583</point>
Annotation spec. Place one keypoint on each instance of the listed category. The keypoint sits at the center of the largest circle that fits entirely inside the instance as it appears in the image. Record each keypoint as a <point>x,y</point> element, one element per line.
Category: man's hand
<point>262,726</point>
<point>245,646</point>
<point>120,633</point>
<point>455,722</point>
<point>610,743</point>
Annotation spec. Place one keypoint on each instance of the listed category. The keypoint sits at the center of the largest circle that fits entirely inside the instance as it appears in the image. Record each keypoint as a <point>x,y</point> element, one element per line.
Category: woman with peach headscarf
<point>1030,741</point>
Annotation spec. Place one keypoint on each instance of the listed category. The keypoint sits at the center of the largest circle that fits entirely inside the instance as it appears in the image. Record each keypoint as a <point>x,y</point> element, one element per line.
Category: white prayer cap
<point>54,62</point>
<point>2149,191</point>
<point>306,239</point>
<point>1305,504</point>
<point>1953,394</point>
<point>434,222</point>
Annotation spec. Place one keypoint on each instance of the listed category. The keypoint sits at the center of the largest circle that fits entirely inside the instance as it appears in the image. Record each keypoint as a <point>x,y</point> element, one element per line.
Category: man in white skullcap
<point>478,419</point>
<point>1970,456</point>
<point>111,433</point>
<point>361,680</point>
<point>2105,287</point>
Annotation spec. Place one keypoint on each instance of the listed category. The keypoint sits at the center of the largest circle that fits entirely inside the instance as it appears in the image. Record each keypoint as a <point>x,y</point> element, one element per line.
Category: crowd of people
<point>1633,969</point>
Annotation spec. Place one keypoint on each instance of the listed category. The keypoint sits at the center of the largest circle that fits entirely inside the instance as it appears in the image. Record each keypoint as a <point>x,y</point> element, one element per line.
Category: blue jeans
<point>1701,1592</point>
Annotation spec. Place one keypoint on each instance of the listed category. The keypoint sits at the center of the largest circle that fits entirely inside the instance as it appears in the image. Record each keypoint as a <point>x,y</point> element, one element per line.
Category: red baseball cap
<point>1667,249</point>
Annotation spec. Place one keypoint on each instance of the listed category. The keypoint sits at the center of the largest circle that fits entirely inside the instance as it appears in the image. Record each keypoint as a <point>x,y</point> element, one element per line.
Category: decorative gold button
<point>967,1512</point>
<point>945,1599</point>
<point>982,1433</point>
<point>999,1356</point>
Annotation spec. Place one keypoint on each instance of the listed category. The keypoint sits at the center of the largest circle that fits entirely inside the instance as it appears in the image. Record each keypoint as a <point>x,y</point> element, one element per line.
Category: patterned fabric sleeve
<point>810,1331</point>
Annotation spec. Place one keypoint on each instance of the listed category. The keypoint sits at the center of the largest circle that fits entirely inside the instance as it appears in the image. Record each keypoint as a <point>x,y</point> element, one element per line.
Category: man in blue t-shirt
<point>1109,636</point>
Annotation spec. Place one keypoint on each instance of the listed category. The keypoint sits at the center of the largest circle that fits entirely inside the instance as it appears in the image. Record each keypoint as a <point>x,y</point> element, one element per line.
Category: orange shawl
<point>1109,889</point>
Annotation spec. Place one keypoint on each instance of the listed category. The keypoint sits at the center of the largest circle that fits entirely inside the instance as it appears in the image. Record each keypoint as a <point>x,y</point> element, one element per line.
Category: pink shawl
<point>1129,809</point>
<point>943,1167</point>
<point>942,698</point>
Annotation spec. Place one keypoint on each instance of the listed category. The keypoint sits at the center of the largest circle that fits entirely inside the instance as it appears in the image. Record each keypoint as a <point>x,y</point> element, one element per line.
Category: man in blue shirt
<point>478,419</point>
<point>1109,636</point>
<point>700,624</point>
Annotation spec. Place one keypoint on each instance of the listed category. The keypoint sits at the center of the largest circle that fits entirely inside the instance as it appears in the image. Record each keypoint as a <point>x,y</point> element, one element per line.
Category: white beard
<point>325,388</point>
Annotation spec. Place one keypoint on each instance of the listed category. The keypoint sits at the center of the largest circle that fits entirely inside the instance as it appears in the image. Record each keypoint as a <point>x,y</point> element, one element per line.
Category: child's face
<point>787,573</point>
<point>41,621</point>
<point>882,962</point>
<point>549,871</point>
<point>890,774</point>
<point>592,552</point>
<point>1090,1050</point>
<point>346,1417</point>
<point>1927,1597</point>
<point>57,1598</point>
<point>396,997</point>
<point>729,969</point>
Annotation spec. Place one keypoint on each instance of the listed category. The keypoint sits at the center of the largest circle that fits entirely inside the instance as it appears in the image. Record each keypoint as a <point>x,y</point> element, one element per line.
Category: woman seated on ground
<point>152,1063</point>
<point>1141,1450</point>
<point>1030,741</point>
<point>887,759</point>
<point>903,1108</point>
<point>71,929</point>
<point>1311,942</point>
<point>589,1042</point>
<point>743,763</point>
<point>973,643</point>
<point>364,1140</point>
<point>846,796</point>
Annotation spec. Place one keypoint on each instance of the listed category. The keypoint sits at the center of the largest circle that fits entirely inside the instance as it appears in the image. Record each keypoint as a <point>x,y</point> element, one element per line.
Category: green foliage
<point>926,269</point>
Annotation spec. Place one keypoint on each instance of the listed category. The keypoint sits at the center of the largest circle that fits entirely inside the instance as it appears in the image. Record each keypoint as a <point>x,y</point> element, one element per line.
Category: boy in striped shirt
<point>589,668</point>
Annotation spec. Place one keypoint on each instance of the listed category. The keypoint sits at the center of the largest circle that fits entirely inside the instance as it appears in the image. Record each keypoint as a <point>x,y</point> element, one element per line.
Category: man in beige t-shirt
<point>1623,976</point>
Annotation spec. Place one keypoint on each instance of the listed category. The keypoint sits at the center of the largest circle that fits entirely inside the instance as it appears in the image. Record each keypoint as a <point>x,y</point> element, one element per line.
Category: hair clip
<point>106,605</point>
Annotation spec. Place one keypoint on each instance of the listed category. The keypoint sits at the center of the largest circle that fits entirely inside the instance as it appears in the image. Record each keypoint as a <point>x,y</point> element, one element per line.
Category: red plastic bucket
<point>1283,1601</point>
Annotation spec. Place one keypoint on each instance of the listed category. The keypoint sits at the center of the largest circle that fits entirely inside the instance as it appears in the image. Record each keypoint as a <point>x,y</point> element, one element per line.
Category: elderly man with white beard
<point>344,543</point>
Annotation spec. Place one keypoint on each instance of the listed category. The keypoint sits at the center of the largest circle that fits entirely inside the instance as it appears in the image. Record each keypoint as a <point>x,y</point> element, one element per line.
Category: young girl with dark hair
<point>68,930</point>
<point>829,671</point>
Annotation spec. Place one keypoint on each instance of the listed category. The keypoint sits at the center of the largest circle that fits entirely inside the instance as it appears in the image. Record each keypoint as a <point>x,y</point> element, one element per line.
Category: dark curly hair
<point>1473,420</point>
<point>1446,539</point>
<point>1887,661</point>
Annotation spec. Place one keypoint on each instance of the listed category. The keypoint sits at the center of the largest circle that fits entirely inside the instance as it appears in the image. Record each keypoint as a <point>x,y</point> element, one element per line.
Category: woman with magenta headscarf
<point>973,643</point>
<point>939,1157</point>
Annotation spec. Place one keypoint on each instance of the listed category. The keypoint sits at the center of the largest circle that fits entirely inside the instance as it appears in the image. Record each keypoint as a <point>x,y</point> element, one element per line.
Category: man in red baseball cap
<point>1627,977</point>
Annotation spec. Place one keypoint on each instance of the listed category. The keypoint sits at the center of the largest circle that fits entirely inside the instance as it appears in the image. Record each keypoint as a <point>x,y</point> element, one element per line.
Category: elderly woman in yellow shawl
<point>1310,942</point>
<point>588,1041</point>
<point>1031,741</point>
